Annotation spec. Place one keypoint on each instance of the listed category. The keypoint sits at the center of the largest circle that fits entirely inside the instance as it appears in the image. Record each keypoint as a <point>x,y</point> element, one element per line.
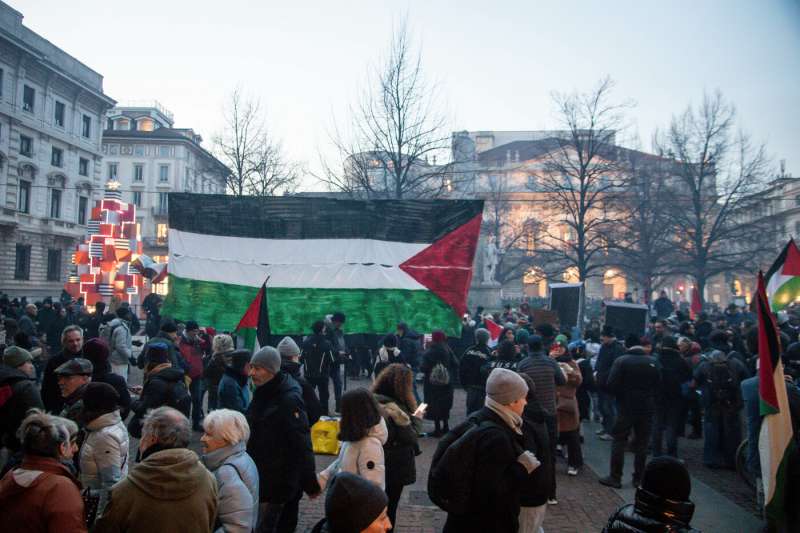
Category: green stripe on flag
<point>293,310</point>
<point>785,294</point>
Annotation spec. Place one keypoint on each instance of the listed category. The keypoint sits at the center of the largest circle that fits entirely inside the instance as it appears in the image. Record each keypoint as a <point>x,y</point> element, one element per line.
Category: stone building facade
<point>52,108</point>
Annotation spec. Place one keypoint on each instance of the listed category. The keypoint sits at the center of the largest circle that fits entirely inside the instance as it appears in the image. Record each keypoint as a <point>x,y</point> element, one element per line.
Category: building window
<point>83,166</point>
<point>25,145</point>
<point>57,157</point>
<point>163,151</point>
<point>59,114</point>
<point>138,172</point>
<point>87,126</point>
<point>163,202</point>
<point>145,124</point>
<point>161,234</point>
<point>53,265</point>
<point>137,198</point>
<point>24,204</point>
<point>28,99</point>
<point>112,171</point>
<point>83,203</point>
<point>123,124</point>
<point>22,265</point>
<point>55,203</point>
<point>163,173</point>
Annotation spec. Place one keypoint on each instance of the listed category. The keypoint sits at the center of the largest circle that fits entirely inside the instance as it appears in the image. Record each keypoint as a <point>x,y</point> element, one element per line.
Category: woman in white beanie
<point>496,483</point>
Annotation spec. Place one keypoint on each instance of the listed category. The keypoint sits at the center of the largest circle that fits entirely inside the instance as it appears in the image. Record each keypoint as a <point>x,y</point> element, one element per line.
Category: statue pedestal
<point>486,294</point>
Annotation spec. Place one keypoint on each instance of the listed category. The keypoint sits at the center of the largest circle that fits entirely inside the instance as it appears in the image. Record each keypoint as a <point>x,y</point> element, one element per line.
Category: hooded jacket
<point>237,484</point>
<point>317,356</point>
<point>18,393</point>
<point>637,518</point>
<point>635,378</point>
<point>310,399</point>
<point>566,401</point>
<point>280,440</point>
<point>232,391</point>
<point>363,457</point>
<point>469,370</point>
<point>42,496</point>
<point>104,454</point>
<point>161,387</point>
<point>170,491</point>
<point>192,353</point>
<point>120,346</point>
<point>401,445</point>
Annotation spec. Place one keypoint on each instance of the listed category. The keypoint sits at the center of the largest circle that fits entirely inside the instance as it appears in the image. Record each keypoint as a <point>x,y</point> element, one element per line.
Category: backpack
<point>722,385</point>
<point>439,375</point>
<point>315,363</point>
<point>453,465</point>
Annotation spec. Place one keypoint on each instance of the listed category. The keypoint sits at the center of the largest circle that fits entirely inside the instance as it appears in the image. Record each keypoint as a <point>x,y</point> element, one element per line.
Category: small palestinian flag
<point>775,441</point>
<point>379,262</point>
<point>254,325</point>
<point>783,277</point>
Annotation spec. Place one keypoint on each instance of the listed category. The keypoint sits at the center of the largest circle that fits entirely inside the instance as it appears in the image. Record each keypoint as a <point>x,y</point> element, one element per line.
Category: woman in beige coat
<point>569,420</point>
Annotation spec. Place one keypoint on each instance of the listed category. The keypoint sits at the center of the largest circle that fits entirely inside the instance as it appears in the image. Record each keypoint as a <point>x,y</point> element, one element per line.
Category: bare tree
<point>719,169</point>
<point>579,174</point>
<point>397,133</point>
<point>256,160</point>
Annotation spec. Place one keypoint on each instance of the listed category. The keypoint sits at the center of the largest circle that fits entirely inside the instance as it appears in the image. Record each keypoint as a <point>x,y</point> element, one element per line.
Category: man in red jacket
<point>192,348</point>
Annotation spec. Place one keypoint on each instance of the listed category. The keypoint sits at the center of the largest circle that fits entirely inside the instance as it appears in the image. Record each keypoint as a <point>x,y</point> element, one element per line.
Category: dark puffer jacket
<point>280,441</point>
<point>18,393</point>
<point>635,378</point>
<point>536,487</point>
<point>400,447</point>
<point>161,387</point>
<point>628,519</point>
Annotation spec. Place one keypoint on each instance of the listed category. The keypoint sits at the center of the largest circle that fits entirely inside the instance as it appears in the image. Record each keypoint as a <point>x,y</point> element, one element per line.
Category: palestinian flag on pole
<point>254,325</point>
<point>775,442</point>
<point>379,262</point>
<point>783,277</point>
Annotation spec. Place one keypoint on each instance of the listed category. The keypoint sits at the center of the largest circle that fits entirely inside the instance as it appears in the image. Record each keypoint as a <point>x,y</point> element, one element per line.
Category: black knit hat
<point>100,398</point>
<point>390,340</point>
<point>607,331</point>
<point>353,503</point>
<point>239,358</point>
<point>668,478</point>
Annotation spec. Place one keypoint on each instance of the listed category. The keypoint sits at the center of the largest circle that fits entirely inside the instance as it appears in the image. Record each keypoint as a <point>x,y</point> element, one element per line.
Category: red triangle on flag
<point>494,329</point>
<point>251,316</point>
<point>445,267</point>
<point>791,266</point>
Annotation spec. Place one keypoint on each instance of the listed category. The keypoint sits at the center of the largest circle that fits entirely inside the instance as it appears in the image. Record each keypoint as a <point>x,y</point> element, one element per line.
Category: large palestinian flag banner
<point>783,277</point>
<point>379,262</point>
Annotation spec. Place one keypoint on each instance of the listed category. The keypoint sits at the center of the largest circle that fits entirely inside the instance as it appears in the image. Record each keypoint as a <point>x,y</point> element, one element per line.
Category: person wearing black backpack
<point>479,468</point>
<point>719,377</point>
<point>438,365</point>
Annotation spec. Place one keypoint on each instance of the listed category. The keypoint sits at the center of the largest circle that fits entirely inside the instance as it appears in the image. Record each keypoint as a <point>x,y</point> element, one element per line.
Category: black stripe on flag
<point>279,217</point>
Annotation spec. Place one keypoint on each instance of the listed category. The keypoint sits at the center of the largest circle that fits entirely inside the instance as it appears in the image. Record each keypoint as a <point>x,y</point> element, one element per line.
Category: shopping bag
<point>324,436</point>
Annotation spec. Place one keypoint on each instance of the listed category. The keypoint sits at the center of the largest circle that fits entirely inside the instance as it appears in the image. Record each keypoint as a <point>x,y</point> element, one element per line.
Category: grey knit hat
<point>288,348</point>
<point>505,386</point>
<point>482,336</point>
<point>15,356</point>
<point>267,358</point>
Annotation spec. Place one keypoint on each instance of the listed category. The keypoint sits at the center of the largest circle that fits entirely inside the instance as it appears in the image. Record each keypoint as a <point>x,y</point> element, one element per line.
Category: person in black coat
<point>163,385</point>
<point>317,358</point>
<point>290,364</point>
<point>438,395</point>
<point>662,502</point>
<point>535,489</point>
<point>72,347</point>
<point>469,370</point>
<point>675,371</point>
<point>635,379</point>
<point>96,351</point>
<point>610,350</point>
<point>280,443</point>
<point>17,376</point>
<point>502,464</point>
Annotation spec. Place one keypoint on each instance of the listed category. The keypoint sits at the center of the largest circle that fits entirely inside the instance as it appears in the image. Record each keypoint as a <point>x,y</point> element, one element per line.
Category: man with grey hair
<point>280,443</point>
<point>71,348</point>
<point>170,490</point>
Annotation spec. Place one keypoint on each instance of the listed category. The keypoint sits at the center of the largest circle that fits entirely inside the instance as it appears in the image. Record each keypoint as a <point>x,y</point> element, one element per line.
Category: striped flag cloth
<point>783,277</point>
<point>775,440</point>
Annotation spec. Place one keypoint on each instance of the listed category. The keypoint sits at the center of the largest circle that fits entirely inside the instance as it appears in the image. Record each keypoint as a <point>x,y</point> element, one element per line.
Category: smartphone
<point>420,409</point>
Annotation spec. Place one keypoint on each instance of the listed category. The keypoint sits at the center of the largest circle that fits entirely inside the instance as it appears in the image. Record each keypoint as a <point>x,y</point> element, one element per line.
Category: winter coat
<point>119,384</point>
<point>104,454</point>
<point>363,457</point>
<point>497,481</point>
<point>702,375</point>
<point>237,488</point>
<point>174,355</point>
<point>73,406</point>
<point>497,362</point>
<point>120,346</point>
<point>546,374</point>
<point>280,440</point>
<point>18,393</point>
<point>170,491</point>
<point>438,397</point>
<point>469,369</point>
<point>214,369</point>
<point>627,519</point>
<point>42,496</point>
<point>401,443</point>
<point>408,343</point>
<point>192,353</point>
<point>160,388</point>
<point>233,392</point>
<point>317,356</point>
<point>635,379</point>
<point>535,488</point>
<point>675,372</point>
<point>605,360</point>
<point>310,399</point>
<point>51,394</point>
<point>566,401</point>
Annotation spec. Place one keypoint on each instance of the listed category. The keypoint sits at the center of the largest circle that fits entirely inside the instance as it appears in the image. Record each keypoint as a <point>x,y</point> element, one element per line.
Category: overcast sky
<point>496,63</point>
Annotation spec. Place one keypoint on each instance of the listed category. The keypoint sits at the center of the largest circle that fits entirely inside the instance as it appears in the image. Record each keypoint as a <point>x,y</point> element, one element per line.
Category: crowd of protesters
<point>68,416</point>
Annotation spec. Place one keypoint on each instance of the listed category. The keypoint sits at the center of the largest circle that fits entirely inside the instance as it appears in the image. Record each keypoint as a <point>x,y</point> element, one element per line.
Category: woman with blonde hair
<point>224,441</point>
<point>393,389</point>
